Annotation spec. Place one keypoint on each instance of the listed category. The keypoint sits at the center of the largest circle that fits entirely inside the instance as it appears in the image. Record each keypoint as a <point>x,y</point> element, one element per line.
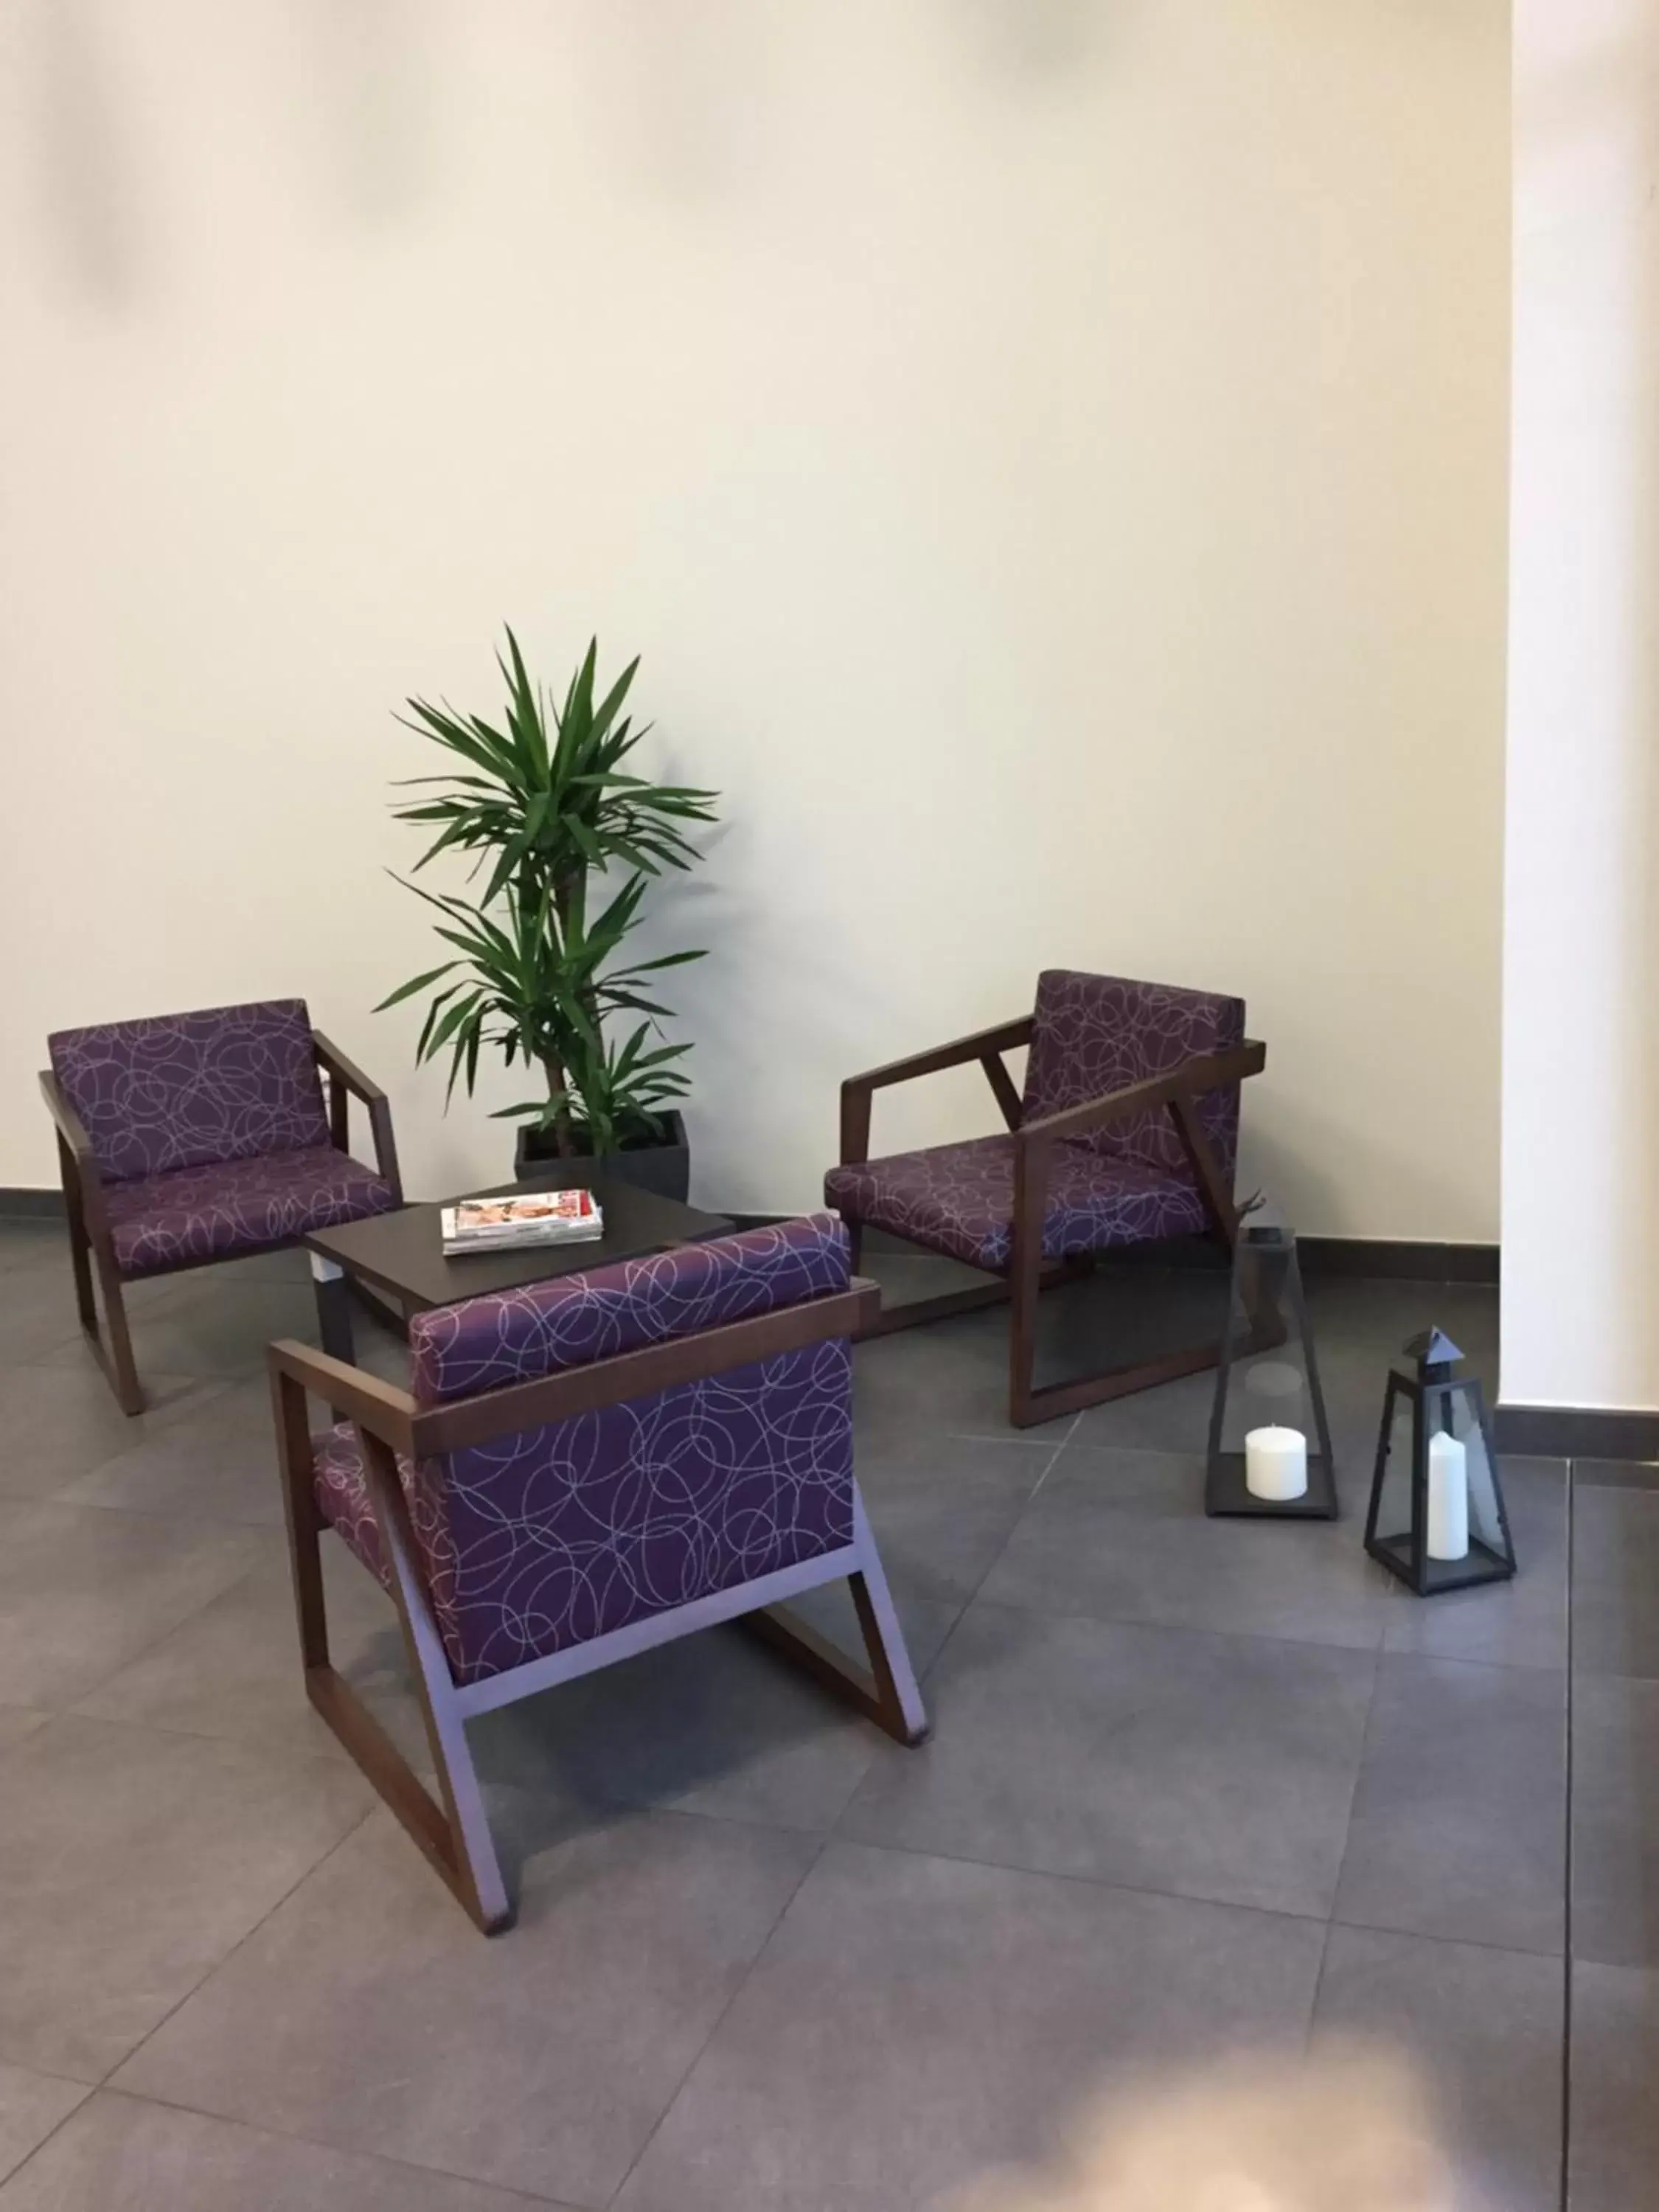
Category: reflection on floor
<point>1193,1785</point>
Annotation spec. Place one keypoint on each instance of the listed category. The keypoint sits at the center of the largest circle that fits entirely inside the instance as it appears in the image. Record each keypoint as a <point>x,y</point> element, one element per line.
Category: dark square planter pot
<point>665,1169</point>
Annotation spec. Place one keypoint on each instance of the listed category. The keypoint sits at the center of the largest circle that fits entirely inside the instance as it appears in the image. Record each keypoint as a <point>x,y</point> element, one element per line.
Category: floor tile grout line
<point>1312,1918</point>
<point>1318,1991</point>
<point>266,1747</point>
<point>972,1598</point>
<point>1354,1793</point>
<point>738,1987</point>
<point>1054,1458</point>
<point>150,1643</point>
<point>89,2090</point>
<point>1234,1635</point>
<point>246,1936</point>
<point>511,2191</point>
<point>1426,1935</point>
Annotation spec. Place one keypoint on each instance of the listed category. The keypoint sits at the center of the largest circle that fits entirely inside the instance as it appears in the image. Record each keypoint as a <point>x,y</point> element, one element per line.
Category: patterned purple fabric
<point>183,1091</point>
<point>1124,1184</point>
<point>512,1336</point>
<point>1096,1033</point>
<point>959,1200</point>
<point>214,1213</point>
<point>552,1536</point>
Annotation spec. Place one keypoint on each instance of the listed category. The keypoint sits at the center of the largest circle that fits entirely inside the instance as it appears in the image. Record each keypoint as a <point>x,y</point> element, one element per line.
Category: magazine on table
<point>507,1225</point>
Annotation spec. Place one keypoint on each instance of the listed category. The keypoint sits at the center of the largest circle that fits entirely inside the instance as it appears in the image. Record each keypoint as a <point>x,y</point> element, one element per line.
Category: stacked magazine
<point>512,1224</point>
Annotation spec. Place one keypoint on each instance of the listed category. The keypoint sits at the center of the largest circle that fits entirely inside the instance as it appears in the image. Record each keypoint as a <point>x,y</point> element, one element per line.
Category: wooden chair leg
<point>454,1839</point>
<point>80,1242</point>
<point>887,1694</point>
<point>89,1252</point>
<point>123,1368</point>
<point>901,1712</point>
<point>1025,1282</point>
<point>916,1313</point>
<point>1027,1405</point>
<point>465,1851</point>
<point>294,1460</point>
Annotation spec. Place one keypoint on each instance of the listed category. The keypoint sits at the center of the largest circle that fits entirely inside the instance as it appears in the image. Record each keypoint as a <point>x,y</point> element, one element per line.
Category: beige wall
<point>1581,1044</point>
<point>1051,456</point>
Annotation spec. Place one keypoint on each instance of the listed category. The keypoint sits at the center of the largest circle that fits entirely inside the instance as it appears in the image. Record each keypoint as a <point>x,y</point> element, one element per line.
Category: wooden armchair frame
<point>1178,1091</point>
<point>453,1832</point>
<point>92,1244</point>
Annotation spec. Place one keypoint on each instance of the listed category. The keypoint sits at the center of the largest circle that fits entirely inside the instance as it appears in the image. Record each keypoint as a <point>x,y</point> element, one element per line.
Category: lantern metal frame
<point>1226,1494</point>
<point>1430,1387</point>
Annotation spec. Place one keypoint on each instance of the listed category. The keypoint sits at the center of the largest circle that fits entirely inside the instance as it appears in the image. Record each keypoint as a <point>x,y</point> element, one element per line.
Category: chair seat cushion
<point>231,1207</point>
<point>959,1200</point>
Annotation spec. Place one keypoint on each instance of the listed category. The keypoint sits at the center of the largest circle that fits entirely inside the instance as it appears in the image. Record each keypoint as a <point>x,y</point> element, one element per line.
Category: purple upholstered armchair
<point>583,1468</point>
<point>199,1137</point>
<point>1127,1131</point>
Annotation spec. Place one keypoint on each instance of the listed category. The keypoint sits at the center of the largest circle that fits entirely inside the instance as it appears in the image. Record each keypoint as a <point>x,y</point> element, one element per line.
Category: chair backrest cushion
<point>549,1537</point>
<point>516,1336</point>
<point>1095,1034</point>
<point>183,1091</point>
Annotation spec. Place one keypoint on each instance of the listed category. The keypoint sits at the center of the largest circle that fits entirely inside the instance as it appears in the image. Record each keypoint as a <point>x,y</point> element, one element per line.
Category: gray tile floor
<point>1193,1784</point>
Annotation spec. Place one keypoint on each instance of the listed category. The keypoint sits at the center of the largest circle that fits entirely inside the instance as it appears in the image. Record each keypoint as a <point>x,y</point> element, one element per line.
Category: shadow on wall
<point>688,77</point>
<point>361,74</point>
<point>86,151</point>
<point>1037,36</point>
<point>366,63</point>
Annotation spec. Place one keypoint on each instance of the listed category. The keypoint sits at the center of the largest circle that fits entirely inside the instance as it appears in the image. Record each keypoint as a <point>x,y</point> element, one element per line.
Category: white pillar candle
<point>1449,1497</point>
<point>1276,1464</point>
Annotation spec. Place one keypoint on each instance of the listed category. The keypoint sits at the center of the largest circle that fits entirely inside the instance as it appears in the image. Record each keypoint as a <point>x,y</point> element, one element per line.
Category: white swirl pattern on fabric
<point>182,1091</point>
<point>1124,1184</point>
<point>551,1536</point>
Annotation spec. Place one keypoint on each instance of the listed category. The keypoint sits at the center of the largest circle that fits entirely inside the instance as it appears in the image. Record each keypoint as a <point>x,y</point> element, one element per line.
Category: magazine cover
<point>543,1217</point>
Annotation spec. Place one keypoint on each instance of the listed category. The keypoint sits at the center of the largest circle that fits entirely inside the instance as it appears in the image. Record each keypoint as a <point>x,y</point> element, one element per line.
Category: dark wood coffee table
<point>401,1255</point>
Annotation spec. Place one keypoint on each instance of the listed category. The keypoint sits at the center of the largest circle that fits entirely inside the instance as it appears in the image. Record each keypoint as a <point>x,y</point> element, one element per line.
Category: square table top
<point>402,1253</point>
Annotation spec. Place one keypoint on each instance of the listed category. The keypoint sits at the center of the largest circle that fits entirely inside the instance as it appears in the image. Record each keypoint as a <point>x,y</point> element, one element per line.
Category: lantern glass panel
<point>1267,1378</point>
<point>1393,1501</point>
<point>1456,1412</point>
<point>1269,1388</point>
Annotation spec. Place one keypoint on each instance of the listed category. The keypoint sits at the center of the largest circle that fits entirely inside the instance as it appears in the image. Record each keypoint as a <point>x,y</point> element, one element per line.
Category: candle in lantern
<point>1276,1464</point>
<point>1448,1498</point>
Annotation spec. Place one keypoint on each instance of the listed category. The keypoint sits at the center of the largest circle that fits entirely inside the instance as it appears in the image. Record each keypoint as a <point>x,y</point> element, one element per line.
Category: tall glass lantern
<point>1437,1516</point>
<point>1270,1443</point>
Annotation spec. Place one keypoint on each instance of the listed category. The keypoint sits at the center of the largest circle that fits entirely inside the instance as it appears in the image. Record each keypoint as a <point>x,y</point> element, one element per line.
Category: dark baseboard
<point>1580,1433</point>
<point>1404,1258</point>
<point>31,1205</point>
<point>1377,1257</point>
<point>1380,1257</point>
<point>1615,1474</point>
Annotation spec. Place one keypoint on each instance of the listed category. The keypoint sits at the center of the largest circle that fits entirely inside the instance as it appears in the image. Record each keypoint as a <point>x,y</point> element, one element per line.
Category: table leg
<point>333,1309</point>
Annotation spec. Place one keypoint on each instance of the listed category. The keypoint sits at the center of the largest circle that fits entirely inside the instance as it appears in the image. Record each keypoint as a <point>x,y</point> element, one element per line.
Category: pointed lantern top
<point>1432,1347</point>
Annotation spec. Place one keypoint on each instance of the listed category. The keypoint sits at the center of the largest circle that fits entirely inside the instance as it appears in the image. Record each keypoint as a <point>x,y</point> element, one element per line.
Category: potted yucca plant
<point>567,841</point>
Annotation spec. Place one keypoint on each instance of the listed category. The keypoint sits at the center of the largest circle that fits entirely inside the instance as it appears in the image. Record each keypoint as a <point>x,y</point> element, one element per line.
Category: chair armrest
<point>345,1076</point>
<point>329,1056</point>
<point>79,1160</point>
<point>1206,1072</point>
<point>380,1407</point>
<point>983,1045</point>
<point>635,1374</point>
<point>70,1126</point>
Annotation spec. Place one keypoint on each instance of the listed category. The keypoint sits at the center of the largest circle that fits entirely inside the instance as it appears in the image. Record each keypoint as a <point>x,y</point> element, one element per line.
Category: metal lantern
<point>1437,1516</point>
<point>1268,1384</point>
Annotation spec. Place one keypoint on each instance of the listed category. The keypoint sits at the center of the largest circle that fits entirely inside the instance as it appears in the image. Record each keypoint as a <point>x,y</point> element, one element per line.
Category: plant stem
<point>564,1139</point>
